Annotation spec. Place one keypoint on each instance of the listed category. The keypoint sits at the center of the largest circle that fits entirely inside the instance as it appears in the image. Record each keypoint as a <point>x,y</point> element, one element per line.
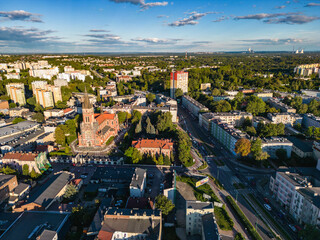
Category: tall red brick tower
<point>87,109</point>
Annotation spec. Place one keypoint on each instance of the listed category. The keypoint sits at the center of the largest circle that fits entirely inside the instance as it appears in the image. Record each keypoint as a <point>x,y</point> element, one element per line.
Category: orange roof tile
<point>20,156</point>
<point>153,143</point>
<point>104,235</point>
<point>104,116</point>
<point>67,110</point>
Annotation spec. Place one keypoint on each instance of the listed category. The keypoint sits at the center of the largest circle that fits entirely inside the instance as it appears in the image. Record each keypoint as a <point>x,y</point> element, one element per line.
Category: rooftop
<point>302,144</point>
<point>20,156</point>
<point>5,178</point>
<point>210,228</point>
<point>138,178</point>
<point>33,223</point>
<point>194,102</point>
<point>197,205</point>
<point>153,143</point>
<point>312,194</point>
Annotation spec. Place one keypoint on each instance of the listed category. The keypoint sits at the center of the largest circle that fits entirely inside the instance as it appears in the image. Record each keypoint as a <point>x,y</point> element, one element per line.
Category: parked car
<point>298,228</point>
<point>292,228</point>
<point>267,207</point>
<point>266,200</point>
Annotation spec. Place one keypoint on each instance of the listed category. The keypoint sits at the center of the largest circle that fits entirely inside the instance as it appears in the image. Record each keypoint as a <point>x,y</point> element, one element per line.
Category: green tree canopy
<point>164,204</point>
<point>243,147</point>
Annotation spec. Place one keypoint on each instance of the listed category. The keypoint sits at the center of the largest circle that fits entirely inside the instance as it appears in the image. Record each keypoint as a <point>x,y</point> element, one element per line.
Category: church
<point>96,129</point>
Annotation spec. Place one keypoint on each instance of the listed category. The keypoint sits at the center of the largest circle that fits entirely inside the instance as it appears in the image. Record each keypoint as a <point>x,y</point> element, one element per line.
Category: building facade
<point>271,145</point>
<point>286,118</point>
<point>96,129</point>
<point>154,146</point>
<point>193,106</point>
<point>16,93</point>
<point>178,79</point>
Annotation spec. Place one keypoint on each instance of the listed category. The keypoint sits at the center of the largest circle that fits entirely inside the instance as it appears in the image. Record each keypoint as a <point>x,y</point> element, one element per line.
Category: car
<point>298,228</point>
<point>267,207</point>
<point>266,200</point>
<point>292,228</point>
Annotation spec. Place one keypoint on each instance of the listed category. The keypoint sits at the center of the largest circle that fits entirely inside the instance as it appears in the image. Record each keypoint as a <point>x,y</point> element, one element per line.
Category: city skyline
<point>158,26</point>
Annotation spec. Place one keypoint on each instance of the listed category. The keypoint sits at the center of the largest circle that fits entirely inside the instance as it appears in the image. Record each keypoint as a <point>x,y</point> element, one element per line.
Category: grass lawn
<point>223,219</point>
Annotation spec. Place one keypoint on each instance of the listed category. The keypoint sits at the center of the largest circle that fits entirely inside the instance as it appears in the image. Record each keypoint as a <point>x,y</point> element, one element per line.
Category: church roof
<point>104,116</point>
<point>153,143</point>
<point>86,102</point>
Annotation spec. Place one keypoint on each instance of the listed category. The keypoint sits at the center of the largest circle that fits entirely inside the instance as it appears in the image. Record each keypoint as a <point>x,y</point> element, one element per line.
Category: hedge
<point>223,219</point>
<point>254,234</point>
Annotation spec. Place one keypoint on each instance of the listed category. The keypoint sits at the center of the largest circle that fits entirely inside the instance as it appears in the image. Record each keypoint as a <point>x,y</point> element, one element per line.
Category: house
<point>7,184</point>
<point>154,146</point>
<point>48,193</point>
<point>19,193</point>
<point>131,224</point>
<point>138,183</point>
<point>36,161</point>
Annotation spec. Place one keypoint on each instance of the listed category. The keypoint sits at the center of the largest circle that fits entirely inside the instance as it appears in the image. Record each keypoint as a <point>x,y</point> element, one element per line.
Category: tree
<point>243,147</point>
<point>38,117</point>
<point>12,105</point>
<point>122,116</point>
<point>309,131</point>
<point>133,155</point>
<point>136,116</point>
<point>251,131</point>
<point>256,146</point>
<point>8,171</point>
<point>164,204</point>
<point>160,160</point>
<point>281,154</point>
<point>31,101</point>
<point>17,120</point>
<point>221,106</point>
<point>25,170</point>
<point>138,128</point>
<point>178,93</point>
<point>309,233</point>
<point>70,192</point>
<point>255,105</point>
<point>164,121</point>
<point>150,97</point>
<point>261,156</point>
<point>33,174</point>
<point>60,136</point>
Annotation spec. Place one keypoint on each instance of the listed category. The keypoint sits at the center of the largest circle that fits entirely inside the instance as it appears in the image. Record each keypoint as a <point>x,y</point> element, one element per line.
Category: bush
<point>254,234</point>
<point>110,140</point>
<point>223,219</point>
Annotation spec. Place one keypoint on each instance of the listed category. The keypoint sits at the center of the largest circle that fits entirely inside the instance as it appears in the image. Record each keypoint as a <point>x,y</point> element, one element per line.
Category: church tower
<point>87,109</point>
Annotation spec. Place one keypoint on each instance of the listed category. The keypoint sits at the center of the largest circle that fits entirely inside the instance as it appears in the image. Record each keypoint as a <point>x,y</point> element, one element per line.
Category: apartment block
<point>309,120</point>
<point>226,134</point>
<point>276,103</point>
<point>299,193</point>
<point>194,212</point>
<point>16,93</point>
<point>271,145</point>
<point>12,76</point>
<point>286,118</point>
<point>178,79</point>
<point>193,106</point>
<point>46,95</point>
<point>44,73</point>
<point>235,118</point>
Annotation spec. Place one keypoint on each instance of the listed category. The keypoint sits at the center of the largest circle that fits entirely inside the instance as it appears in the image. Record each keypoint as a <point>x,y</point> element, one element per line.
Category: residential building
<point>257,119</point>
<point>18,112</point>
<point>4,107</point>
<point>7,184</point>
<point>64,76</point>
<point>169,186</point>
<point>44,98</point>
<point>44,73</point>
<point>205,120</point>
<point>226,134</point>
<point>265,96</point>
<point>48,193</point>
<point>309,120</point>
<point>193,106</point>
<point>286,118</point>
<point>19,193</point>
<point>96,129</point>
<point>36,161</point>
<point>38,225</point>
<point>178,80</point>
<point>194,212</point>
<point>235,118</point>
<point>132,224</point>
<point>209,227</point>
<point>46,95</point>
<point>53,113</point>
<point>301,147</point>
<point>124,78</point>
<point>138,183</point>
<point>316,153</point>
<point>222,97</point>
<point>154,146</point>
<point>271,145</point>
<point>16,93</point>
<point>276,103</point>
<point>299,193</point>
<point>311,93</point>
<point>12,76</point>
<point>307,69</point>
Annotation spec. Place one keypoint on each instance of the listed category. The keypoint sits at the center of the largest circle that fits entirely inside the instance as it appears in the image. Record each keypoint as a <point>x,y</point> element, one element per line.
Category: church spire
<point>86,102</point>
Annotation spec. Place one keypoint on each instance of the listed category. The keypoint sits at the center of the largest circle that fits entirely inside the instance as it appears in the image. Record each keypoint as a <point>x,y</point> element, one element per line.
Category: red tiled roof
<point>104,235</point>
<point>20,156</point>
<point>104,116</point>
<point>153,143</point>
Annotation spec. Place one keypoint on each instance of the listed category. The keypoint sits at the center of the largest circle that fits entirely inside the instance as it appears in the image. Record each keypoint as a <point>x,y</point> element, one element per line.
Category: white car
<point>267,207</point>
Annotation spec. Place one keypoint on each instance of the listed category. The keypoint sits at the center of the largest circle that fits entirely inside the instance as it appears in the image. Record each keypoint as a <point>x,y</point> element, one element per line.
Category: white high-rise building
<point>178,79</point>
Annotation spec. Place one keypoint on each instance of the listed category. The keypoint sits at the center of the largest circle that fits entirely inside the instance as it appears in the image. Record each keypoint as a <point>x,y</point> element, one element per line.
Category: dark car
<point>266,200</point>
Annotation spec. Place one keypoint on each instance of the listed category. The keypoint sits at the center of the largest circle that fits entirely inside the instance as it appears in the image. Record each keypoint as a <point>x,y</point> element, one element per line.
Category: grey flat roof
<point>20,188</point>
<point>48,191</point>
<point>137,178</point>
<point>27,222</point>
<point>303,145</point>
<point>47,235</point>
<point>210,228</point>
<point>5,178</point>
<point>199,205</point>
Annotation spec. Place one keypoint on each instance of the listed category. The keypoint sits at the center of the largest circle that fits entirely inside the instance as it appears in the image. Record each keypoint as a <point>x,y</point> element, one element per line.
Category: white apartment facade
<point>178,79</point>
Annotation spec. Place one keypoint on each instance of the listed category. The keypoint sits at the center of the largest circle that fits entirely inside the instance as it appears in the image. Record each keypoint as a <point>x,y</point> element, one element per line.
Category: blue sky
<point>158,25</point>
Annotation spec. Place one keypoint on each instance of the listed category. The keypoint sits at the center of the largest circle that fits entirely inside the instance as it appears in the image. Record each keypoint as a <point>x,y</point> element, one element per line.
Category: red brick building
<point>96,129</point>
<point>154,146</point>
